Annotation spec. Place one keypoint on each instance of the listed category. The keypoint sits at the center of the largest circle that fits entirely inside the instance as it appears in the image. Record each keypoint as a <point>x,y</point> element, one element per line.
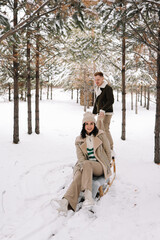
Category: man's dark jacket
<point>104,101</point>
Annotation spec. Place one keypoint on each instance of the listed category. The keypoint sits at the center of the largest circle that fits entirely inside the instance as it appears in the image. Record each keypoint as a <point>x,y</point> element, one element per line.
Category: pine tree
<point>15,76</point>
<point>142,22</point>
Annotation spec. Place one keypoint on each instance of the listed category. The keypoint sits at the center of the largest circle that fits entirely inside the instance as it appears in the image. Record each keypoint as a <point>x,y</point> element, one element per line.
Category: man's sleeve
<point>94,108</point>
<point>109,99</point>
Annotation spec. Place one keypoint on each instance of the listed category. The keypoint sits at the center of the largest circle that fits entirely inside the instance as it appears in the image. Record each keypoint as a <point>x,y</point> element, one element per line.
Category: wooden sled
<point>104,185</point>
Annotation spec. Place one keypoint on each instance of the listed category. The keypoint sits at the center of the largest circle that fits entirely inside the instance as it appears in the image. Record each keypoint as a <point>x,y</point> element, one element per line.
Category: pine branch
<point>147,63</point>
<point>23,23</point>
<point>153,2</point>
<point>142,38</point>
<point>151,32</point>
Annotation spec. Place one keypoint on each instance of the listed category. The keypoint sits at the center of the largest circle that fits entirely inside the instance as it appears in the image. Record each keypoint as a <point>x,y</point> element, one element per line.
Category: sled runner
<point>100,186</point>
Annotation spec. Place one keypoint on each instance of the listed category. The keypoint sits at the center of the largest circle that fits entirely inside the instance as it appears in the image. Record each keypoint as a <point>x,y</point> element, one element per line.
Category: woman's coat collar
<point>96,142</point>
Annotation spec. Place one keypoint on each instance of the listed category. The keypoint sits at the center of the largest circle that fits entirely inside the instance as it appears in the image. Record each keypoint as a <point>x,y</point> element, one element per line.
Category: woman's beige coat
<point>102,152</point>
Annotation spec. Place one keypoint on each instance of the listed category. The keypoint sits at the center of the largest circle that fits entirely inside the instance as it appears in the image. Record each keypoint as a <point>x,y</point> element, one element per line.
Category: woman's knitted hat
<point>88,117</point>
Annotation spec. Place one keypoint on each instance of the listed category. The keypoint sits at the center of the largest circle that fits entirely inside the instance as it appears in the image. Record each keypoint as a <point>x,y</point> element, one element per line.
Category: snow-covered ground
<point>40,167</point>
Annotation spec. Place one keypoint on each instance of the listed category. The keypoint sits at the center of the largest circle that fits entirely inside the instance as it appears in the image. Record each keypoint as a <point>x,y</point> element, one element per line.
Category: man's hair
<point>98,74</point>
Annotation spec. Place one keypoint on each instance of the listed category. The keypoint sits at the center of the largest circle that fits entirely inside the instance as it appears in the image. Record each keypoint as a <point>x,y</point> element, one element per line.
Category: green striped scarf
<point>91,154</point>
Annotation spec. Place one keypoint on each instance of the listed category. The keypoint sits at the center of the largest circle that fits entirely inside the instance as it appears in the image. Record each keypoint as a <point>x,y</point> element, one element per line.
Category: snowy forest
<point>47,44</point>
<point>49,52</point>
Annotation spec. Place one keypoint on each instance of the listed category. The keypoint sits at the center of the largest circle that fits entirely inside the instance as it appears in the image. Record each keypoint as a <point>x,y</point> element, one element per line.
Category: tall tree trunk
<point>141,95</point>
<point>22,98</point>
<point>51,90</point>
<point>132,97</point>
<point>137,93</point>
<point>72,93</point>
<point>29,84</point>
<point>123,136</point>
<point>157,121</point>
<point>9,92</point>
<point>25,96</point>
<point>117,95</point>
<point>87,98</point>
<point>136,101</point>
<point>145,91</point>
<point>148,97</point>
<point>41,89</point>
<point>85,104</point>
<point>48,91</point>
<point>84,92</point>
<point>15,75</point>
<point>77,95</point>
<point>37,83</point>
<point>92,98</point>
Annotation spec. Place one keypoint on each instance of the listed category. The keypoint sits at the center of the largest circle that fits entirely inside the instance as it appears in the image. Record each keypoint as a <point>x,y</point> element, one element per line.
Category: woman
<point>94,157</point>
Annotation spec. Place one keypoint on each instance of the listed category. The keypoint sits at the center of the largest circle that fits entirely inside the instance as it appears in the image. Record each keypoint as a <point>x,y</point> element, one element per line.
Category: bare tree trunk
<point>37,83</point>
<point>123,136</point>
<point>141,95</point>
<point>132,97</point>
<point>148,98</point>
<point>41,87</point>
<point>9,92</point>
<point>51,90</point>
<point>137,89</point>
<point>87,99</point>
<point>29,84</point>
<point>25,96</point>
<point>136,101</point>
<point>72,93</point>
<point>15,73</point>
<point>84,93</point>
<point>48,91</point>
<point>92,98</point>
<point>157,121</point>
<point>77,95</point>
<point>145,91</point>
<point>21,91</point>
<point>117,95</point>
<point>85,106</point>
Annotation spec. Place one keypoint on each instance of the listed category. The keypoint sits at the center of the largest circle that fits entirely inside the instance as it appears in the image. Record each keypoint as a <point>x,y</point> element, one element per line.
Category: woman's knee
<point>87,164</point>
<point>77,176</point>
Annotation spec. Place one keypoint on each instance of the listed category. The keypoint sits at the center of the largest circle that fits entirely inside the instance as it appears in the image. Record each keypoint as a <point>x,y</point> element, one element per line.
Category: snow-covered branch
<point>24,23</point>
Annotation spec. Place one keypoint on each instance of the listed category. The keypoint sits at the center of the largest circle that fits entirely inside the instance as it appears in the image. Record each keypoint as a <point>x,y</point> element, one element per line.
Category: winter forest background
<point>47,46</point>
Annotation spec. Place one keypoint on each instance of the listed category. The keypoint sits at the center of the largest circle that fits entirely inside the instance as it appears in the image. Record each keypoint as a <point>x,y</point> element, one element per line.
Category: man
<point>103,105</point>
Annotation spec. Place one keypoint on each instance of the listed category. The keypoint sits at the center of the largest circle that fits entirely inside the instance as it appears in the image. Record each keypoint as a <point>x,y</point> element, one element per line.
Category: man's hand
<point>101,113</point>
